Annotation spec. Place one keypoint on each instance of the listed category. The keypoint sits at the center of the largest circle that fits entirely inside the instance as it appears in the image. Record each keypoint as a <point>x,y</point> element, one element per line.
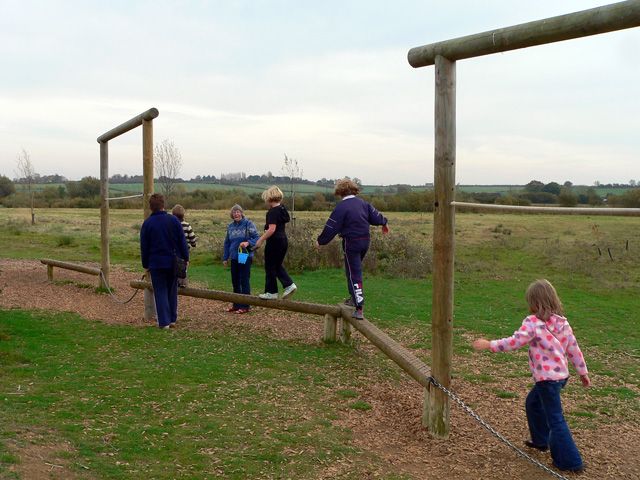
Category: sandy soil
<point>391,429</point>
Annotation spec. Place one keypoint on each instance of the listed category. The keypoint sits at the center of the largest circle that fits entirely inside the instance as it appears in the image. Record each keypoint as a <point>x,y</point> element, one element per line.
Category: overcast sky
<point>241,83</point>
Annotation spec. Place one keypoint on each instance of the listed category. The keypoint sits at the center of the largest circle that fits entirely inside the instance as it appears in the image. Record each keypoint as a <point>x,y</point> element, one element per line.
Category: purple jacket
<point>351,220</point>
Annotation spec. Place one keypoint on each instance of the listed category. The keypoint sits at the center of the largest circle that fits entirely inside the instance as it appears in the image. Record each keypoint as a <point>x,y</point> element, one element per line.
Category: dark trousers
<point>548,426</point>
<point>274,253</point>
<point>354,252</point>
<point>165,293</point>
<point>240,279</point>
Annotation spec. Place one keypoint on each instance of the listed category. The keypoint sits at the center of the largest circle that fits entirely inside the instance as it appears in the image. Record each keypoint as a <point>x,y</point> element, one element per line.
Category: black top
<point>277,216</point>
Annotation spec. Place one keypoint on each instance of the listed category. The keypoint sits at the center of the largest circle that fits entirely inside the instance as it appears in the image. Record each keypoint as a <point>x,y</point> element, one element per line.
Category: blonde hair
<point>272,194</point>
<point>178,211</point>
<point>543,299</point>
<point>345,187</point>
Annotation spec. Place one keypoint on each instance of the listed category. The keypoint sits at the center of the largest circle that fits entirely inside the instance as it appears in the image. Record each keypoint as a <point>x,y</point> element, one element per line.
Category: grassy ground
<point>141,403</point>
<point>594,263</point>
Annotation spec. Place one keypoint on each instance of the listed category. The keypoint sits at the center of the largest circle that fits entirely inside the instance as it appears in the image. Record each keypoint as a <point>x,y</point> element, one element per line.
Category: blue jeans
<point>240,279</point>
<point>165,293</point>
<point>548,426</point>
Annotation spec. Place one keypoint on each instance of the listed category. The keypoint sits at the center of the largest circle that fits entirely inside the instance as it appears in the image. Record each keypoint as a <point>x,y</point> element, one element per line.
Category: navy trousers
<point>240,279</point>
<point>165,293</point>
<point>274,253</point>
<point>548,426</point>
<point>354,252</point>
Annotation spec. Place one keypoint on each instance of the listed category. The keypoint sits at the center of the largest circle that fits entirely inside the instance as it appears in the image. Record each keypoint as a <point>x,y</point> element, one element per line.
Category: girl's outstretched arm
<point>481,344</point>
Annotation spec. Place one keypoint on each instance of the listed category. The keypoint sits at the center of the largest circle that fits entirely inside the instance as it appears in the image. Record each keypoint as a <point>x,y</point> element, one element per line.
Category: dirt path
<point>391,429</point>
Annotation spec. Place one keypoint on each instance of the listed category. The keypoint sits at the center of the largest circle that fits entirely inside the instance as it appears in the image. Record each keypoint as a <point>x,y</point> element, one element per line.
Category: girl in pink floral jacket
<point>551,346</point>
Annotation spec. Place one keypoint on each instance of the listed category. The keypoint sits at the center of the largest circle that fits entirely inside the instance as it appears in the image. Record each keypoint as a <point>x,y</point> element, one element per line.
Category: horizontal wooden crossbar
<point>608,18</point>
<point>128,125</point>
<point>71,266</point>
<point>404,358</point>
<point>620,212</point>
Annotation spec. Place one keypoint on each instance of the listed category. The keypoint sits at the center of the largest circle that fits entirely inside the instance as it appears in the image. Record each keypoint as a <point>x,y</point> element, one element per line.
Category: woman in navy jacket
<point>351,220</point>
<point>161,239</point>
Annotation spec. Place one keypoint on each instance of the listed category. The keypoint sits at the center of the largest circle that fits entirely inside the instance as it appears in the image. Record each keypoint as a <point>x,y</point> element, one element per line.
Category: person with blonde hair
<point>351,219</point>
<point>552,345</point>
<point>276,247</point>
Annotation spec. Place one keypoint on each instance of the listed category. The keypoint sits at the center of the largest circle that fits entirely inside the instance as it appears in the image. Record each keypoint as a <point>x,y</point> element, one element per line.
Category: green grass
<point>116,368</point>
<point>145,403</point>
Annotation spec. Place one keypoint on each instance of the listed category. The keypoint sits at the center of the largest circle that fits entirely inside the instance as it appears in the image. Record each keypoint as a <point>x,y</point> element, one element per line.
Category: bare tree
<point>27,174</point>
<point>292,169</point>
<point>168,162</point>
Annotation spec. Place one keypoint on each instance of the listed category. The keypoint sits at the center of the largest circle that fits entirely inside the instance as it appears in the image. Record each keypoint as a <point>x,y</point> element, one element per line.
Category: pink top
<point>550,343</point>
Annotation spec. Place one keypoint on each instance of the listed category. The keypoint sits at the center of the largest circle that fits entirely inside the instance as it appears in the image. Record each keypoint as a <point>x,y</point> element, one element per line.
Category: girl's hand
<point>224,262</point>
<point>244,244</point>
<point>385,229</point>
<point>481,344</point>
<point>317,246</point>
<point>585,380</point>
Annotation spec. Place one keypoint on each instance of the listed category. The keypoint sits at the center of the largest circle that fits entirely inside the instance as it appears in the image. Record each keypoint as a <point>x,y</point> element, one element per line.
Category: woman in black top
<point>276,248</point>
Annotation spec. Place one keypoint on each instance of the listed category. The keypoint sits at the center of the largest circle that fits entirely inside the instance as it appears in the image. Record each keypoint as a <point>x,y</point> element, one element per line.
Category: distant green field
<point>133,188</point>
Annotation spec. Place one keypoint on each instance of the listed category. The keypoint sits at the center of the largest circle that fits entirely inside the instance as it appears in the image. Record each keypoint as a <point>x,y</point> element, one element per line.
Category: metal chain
<point>116,299</point>
<point>498,435</point>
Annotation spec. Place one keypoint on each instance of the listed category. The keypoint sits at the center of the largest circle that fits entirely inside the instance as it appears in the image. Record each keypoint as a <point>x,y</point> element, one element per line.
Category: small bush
<point>64,241</point>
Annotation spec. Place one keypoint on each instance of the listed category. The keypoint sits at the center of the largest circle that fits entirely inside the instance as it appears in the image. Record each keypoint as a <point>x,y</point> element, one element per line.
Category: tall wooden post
<point>147,173</point>
<point>437,403</point>
<point>104,214</point>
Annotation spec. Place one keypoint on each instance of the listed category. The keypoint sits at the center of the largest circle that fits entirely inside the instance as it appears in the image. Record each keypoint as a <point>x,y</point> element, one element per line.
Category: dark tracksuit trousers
<point>165,293</point>
<point>354,251</point>
<point>240,279</point>
<point>274,253</point>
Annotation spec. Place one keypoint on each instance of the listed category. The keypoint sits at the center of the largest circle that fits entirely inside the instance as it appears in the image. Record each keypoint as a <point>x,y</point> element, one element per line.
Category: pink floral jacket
<point>550,344</point>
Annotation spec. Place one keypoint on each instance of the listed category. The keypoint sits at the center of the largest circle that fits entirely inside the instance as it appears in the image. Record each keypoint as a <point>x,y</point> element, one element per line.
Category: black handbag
<point>179,263</point>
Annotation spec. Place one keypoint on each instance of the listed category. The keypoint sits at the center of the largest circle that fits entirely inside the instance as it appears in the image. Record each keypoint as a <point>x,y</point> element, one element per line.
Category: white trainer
<point>290,290</point>
<point>268,296</point>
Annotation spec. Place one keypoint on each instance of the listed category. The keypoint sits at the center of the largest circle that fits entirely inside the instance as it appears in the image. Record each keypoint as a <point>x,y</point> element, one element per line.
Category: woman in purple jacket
<point>351,220</point>
<point>161,239</point>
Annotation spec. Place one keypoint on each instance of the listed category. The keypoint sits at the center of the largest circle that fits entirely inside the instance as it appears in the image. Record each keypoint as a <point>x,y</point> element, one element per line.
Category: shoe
<point>290,290</point>
<point>166,327</point>
<point>232,309</point>
<point>172,325</point>
<point>530,444</point>
<point>349,302</point>
<point>242,310</point>
<point>579,469</point>
<point>357,314</point>
<point>268,296</point>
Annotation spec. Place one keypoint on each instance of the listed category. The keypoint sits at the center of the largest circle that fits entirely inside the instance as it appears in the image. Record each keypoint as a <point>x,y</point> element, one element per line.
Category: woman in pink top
<point>551,346</point>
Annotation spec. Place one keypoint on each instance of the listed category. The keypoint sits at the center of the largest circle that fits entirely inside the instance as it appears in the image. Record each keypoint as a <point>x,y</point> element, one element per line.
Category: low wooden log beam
<point>71,266</point>
<point>300,307</point>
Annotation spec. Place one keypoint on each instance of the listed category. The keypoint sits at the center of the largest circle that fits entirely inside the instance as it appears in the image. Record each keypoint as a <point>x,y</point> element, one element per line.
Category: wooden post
<point>345,330</point>
<point>50,273</point>
<point>147,172</point>
<point>104,213</point>
<point>437,407</point>
<point>330,327</point>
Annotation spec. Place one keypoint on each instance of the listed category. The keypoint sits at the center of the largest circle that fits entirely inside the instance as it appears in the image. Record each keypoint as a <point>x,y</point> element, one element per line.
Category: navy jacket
<point>161,238</point>
<point>351,219</point>
<point>238,232</point>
